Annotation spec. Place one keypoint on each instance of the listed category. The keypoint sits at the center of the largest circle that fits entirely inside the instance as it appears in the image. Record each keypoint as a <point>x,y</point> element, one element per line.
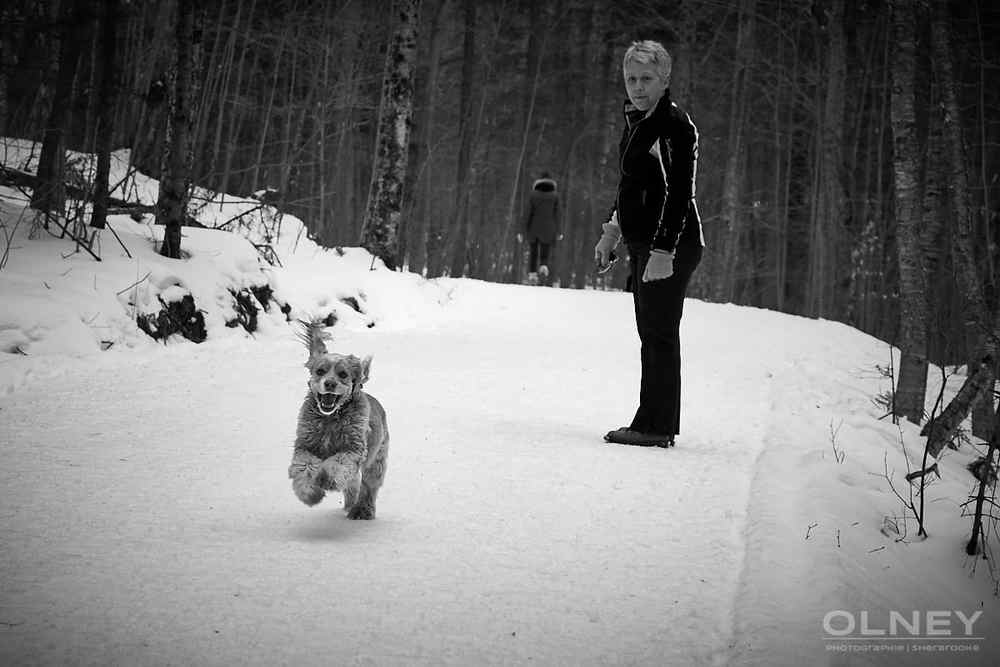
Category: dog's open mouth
<point>327,403</point>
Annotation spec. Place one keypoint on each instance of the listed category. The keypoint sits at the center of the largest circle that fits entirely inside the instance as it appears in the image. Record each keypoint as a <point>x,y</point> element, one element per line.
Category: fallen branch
<point>23,179</point>
<point>64,225</point>
<point>941,429</point>
<point>917,474</point>
<point>138,282</point>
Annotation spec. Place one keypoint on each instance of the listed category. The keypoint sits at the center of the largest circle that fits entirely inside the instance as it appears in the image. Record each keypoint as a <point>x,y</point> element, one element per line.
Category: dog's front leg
<point>304,473</point>
<point>341,472</point>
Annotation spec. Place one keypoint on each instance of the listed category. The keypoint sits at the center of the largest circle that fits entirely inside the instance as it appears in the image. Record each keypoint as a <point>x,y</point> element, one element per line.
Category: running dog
<point>342,440</point>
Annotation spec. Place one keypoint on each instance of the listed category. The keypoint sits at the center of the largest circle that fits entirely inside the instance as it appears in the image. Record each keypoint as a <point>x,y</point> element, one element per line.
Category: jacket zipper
<point>621,160</point>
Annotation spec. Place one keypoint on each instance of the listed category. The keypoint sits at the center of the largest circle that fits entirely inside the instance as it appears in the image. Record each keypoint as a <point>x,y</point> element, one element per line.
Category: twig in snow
<point>809,529</point>
<point>838,454</point>
<point>135,284</point>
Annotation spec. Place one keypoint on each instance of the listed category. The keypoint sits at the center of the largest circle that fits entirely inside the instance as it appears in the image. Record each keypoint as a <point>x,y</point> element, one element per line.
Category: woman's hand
<point>609,240</point>
<point>659,266</point>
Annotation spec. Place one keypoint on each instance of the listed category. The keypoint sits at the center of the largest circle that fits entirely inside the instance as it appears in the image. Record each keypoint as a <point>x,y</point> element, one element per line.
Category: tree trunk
<point>420,189</point>
<point>457,232</point>
<point>725,288</point>
<point>107,86</point>
<point>437,231</point>
<point>972,548</point>
<point>8,59</point>
<point>580,239</point>
<point>932,239</point>
<point>323,221</point>
<point>235,115</point>
<point>49,197</point>
<point>981,330</point>
<point>833,210</point>
<point>779,200</point>
<point>385,197</point>
<point>912,385</point>
<point>171,205</point>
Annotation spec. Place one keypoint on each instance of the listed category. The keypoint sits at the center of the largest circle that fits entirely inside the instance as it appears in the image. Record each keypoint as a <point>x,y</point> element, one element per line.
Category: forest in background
<point>797,178</point>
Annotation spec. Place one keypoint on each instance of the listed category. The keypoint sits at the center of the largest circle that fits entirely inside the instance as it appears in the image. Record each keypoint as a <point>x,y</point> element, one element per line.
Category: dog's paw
<point>364,512</point>
<point>311,496</point>
<point>350,497</point>
<point>307,492</point>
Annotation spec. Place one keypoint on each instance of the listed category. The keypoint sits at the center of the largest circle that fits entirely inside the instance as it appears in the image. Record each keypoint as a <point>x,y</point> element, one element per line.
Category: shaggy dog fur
<point>342,440</point>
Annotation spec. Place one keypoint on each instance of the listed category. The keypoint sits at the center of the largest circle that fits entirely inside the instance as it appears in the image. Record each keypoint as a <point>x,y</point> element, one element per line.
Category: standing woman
<point>542,227</point>
<point>655,216</point>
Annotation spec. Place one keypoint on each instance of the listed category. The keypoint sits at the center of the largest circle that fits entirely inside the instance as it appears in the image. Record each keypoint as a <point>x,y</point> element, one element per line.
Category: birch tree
<point>385,196</point>
<point>912,384</point>
<point>982,331</point>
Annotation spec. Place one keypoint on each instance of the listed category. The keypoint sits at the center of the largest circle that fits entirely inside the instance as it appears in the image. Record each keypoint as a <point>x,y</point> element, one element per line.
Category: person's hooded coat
<point>543,219</point>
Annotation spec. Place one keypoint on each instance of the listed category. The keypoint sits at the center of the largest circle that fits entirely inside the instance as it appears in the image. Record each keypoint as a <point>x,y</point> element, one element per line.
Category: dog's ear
<point>314,335</point>
<point>365,365</point>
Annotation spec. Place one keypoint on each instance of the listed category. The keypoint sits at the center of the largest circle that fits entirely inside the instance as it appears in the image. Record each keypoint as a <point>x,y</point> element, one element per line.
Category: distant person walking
<point>542,228</point>
<point>656,217</point>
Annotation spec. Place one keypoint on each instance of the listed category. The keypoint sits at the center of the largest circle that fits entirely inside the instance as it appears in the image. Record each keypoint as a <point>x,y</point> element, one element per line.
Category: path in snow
<point>147,517</point>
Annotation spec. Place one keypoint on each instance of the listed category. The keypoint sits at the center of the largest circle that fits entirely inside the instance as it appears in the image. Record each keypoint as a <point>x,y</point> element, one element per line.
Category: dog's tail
<point>314,335</point>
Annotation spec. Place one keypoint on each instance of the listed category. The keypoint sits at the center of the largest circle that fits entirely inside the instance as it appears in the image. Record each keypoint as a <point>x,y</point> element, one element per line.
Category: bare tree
<point>827,237</point>
<point>385,196</point>
<point>736,151</point>
<point>987,479</point>
<point>171,206</point>
<point>289,91</point>
<point>420,190</point>
<point>458,230</point>
<point>8,58</point>
<point>49,195</point>
<point>107,92</point>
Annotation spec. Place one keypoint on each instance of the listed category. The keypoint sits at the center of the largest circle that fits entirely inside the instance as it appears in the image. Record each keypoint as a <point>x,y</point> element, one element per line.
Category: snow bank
<point>61,301</point>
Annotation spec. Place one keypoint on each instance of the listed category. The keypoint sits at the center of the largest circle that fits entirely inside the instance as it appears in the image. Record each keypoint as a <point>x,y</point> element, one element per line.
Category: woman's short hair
<point>648,52</point>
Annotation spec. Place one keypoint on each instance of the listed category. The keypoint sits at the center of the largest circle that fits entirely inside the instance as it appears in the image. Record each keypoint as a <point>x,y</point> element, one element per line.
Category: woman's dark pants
<point>658,308</point>
<point>539,255</point>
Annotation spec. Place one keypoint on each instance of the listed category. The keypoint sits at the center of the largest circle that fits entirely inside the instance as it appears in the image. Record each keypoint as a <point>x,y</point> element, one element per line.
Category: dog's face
<point>333,378</point>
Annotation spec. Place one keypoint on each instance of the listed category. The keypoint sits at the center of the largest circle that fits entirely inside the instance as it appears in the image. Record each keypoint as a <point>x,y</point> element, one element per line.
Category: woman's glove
<point>659,266</point>
<point>609,239</point>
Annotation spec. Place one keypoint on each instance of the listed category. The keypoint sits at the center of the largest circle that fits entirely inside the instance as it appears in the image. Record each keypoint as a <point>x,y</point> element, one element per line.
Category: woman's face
<point>643,85</point>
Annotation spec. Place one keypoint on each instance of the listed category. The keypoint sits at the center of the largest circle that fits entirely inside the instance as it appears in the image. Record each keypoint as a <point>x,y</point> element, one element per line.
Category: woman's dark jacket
<point>542,221</point>
<point>655,202</point>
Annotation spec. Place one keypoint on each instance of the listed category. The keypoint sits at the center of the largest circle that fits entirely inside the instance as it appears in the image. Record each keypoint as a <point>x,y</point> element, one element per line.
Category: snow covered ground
<point>147,518</point>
